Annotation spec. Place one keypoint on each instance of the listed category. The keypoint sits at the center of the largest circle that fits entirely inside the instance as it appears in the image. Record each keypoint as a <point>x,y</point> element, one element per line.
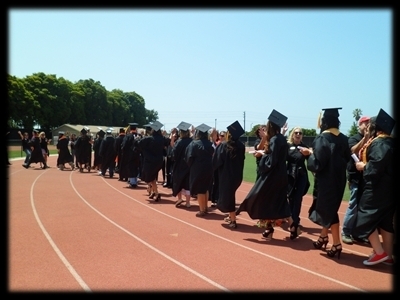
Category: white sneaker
<point>188,205</point>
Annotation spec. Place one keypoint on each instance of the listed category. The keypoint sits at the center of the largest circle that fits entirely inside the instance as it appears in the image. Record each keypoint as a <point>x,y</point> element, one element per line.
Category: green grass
<point>249,171</point>
<point>249,175</point>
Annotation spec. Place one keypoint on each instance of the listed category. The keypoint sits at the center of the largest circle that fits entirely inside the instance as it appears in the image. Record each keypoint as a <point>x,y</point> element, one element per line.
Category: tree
<point>357,113</point>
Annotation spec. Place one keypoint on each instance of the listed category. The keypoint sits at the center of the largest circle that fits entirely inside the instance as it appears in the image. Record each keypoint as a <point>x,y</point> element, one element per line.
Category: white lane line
<point>229,241</point>
<point>55,248</point>
<point>147,244</point>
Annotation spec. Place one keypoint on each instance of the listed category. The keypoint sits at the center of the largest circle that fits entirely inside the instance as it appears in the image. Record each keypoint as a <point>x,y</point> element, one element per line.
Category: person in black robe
<point>377,205</point>
<point>36,151</point>
<point>151,148</point>
<point>298,182</point>
<point>228,161</point>
<point>64,155</point>
<point>198,156</point>
<point>267,199</point>
<point>328,161</point>
<point>83,150</point>
<point>118,151</point>
<point>180,169</point>
<point>130,159</point>
<point>97,159</point>
<point>108,154</point>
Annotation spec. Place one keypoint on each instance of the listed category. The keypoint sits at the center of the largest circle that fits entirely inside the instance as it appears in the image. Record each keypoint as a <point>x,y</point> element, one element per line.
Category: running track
<point>79,232</point>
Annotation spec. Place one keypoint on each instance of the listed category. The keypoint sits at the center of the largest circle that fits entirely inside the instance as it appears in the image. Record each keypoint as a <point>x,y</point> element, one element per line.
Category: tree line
<point>49,101</point>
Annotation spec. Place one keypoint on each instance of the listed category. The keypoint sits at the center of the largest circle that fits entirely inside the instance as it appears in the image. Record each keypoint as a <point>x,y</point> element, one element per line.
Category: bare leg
<point>335,233</point>
<point>387,238</point>
<point>376,242</point>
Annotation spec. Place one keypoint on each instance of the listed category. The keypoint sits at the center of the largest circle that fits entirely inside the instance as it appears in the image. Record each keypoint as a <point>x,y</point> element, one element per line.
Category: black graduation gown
<point>130,158</point>
<point>36,154</point>
<point>152,148</point>
<point>230,174</point>
<point>180,169</point>
<point>198,156</point>
<point>328,161</point>
<point>295,166</point>
<point>97,159</point>
<point>377,206</point>
<point>107,152</point>
<point>118,150</point>
<point>83,150</point>
<point>267,199</point>
<point>64,156</point>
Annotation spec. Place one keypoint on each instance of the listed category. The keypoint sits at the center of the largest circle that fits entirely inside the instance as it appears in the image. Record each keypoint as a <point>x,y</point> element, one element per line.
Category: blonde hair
<point>42,133</point>
<point>290,138</point>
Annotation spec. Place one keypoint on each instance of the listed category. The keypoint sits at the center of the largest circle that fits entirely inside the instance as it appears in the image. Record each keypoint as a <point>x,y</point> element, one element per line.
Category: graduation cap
<point>277,118</point>
<point>235,129</point>
<point>156,126</point>
<point>334,112</point>
<point>101,133</point>
<point>84,131</point>
<point>109,130</point>
<point>61,133</point>
<point>183,126</point>
<point>133,125</point>
<point>384,121</point>
<point>203,128</point>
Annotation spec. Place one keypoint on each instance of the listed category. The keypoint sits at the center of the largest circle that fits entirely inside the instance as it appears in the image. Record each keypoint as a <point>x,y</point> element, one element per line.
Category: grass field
<point>249,172</point>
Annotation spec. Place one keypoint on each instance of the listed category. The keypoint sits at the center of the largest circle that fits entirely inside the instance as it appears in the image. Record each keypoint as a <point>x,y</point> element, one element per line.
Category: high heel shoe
<point>152,195</point>
<point>268,233</point>
<point>294,231</point>
<point>157,198</point>
<point>335,249</point>
<point>321,242</point>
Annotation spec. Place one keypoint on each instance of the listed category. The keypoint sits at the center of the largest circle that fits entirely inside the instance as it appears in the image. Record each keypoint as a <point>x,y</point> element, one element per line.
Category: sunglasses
<point>298,132</point>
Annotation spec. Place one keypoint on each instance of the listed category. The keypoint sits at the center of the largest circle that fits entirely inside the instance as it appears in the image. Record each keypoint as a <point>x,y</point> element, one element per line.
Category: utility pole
<point>244,120</point>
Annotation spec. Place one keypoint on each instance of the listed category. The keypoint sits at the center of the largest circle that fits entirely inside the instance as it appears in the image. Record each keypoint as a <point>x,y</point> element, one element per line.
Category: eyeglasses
<point>298,132</point>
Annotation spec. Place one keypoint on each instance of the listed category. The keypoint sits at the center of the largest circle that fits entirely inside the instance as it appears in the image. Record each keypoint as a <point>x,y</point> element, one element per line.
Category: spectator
<point>25,146</point>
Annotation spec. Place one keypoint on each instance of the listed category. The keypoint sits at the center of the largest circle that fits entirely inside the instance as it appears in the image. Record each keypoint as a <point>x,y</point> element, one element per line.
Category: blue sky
<point>216,66</point>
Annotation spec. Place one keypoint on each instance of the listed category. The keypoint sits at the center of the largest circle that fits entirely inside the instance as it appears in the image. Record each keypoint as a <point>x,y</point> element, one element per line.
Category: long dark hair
<point>329,122</point>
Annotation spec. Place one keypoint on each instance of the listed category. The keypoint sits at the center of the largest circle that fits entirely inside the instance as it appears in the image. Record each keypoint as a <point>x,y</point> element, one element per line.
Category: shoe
<point>268,233</point>
<point>262,223</point>
<point>335,249</point>
<point>179,202</point>
<point>347,239</point>
<point>132,186</point>
<point>152,195</point>
<point>120,179</point>
<point>213,204</point>
<point>321,242</point>
<point>188,205</point>
<point>25,166</point>
<point>375,259</point>
<point>157,198</point>
<point>294,233</point>
<point>232,224</point>
<point>228,219</point>
<point>165,184</point>
<point>362,240</point>
<point>389,262</point>
<point>201,214</point>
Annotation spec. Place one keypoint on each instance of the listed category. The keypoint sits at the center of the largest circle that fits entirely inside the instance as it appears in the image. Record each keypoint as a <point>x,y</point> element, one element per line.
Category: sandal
<point>232,224</point>
<point>228,219</point>
<point>201,214</point>
<point>179,202</point>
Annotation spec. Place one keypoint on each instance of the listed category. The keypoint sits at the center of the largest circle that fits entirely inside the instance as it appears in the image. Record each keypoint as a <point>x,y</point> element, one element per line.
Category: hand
<point>305,151</point>
<point>360,166</point>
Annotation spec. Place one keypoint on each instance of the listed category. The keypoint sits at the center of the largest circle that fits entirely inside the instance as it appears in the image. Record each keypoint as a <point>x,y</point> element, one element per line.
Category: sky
<point>216,66</point>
